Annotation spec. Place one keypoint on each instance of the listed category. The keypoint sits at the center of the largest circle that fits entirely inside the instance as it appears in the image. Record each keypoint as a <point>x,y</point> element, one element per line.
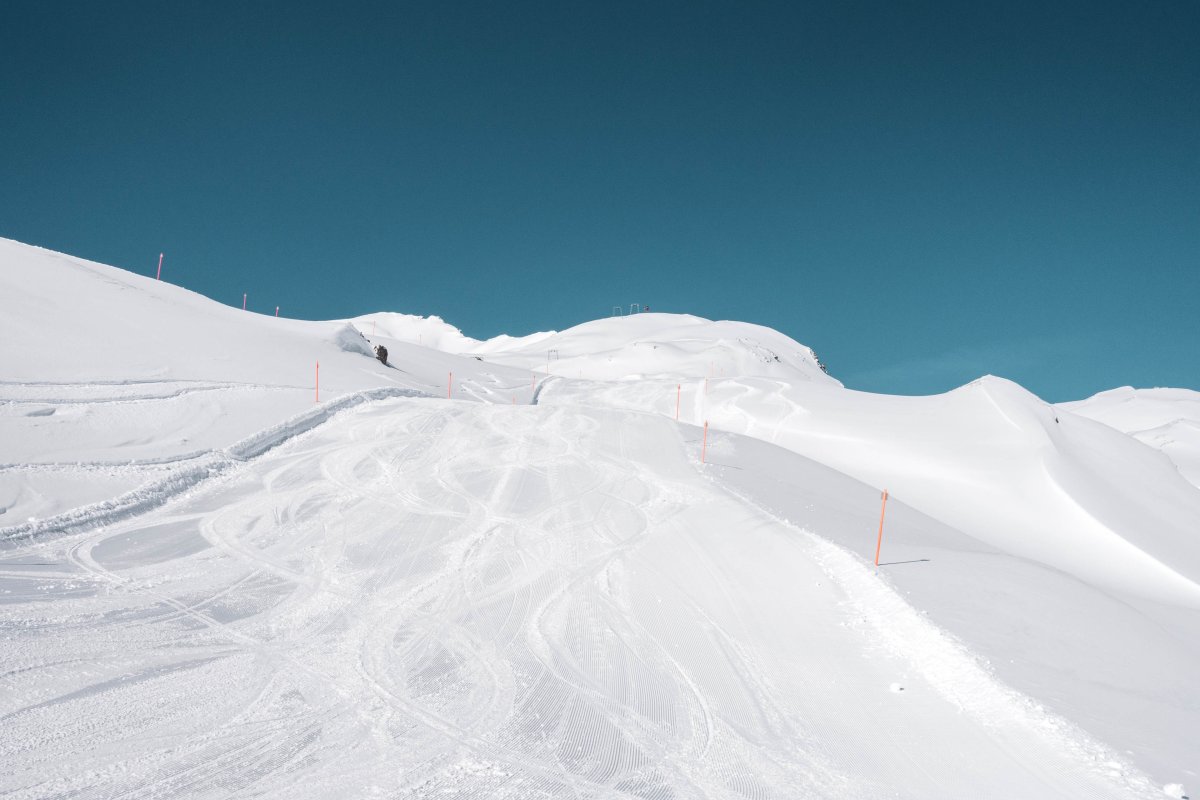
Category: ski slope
<point>213,586</point>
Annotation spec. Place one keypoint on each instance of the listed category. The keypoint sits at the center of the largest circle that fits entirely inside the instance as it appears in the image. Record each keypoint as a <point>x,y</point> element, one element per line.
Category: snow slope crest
<point>434,332</point>
<point>1025,412</point>
<point>1167,420</point>
<point>664,346</point>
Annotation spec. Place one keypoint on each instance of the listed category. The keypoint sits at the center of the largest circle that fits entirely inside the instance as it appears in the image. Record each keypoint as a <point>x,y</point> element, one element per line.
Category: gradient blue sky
<point>922,192</point>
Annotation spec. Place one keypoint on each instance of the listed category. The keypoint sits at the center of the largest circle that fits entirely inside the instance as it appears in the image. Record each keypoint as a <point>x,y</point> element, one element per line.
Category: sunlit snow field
<point>522,568</point>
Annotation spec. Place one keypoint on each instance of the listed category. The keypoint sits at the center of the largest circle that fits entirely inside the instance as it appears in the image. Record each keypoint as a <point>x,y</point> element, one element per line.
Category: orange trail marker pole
<point>317,396</point>
<point>449,385</point>
<point>678,389</point>
<point>159,276</point>
<point>277,311</point>
<point>243,301</point>
<point>704,447</point>
<point>879,542</point>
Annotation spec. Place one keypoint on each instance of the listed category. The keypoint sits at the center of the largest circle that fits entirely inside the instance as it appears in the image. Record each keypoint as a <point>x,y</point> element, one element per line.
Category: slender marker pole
<point>243,301</point>
<point>449,385</point>
<point>277,311</point>
<point>704,447</point>
<point>706,387</point>
<point>318,390</point>
<point>372,327</point>
<point>159,277</point>
<point>678,389</point>
<point>879,542</point>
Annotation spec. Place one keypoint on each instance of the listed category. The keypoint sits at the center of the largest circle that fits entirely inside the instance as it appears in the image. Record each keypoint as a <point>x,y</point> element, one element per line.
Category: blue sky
<point>922,192</point>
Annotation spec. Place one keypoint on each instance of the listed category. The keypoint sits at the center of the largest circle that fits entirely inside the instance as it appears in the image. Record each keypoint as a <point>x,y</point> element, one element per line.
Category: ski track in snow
<point>460,600</point>
<point>93,392</point>
<point>186,471</point>
<point>949,666</point>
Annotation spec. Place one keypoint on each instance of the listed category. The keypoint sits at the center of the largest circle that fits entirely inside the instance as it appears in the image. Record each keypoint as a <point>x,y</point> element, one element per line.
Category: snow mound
<point>434,332</point>
<point>1166,419</point>
<point>350,340</point>
<point>678,346</point>
<point>621,347</point>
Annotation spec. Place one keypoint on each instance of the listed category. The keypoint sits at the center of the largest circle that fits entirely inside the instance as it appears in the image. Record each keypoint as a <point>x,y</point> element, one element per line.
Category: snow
<point>211,584</point>
<point>1166,419</point>
<point>622,348</point>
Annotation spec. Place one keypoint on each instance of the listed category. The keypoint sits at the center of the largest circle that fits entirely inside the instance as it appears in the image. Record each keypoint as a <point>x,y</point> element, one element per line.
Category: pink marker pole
<point>243,301</point>
<point>277,311</point>
<point>704,447</point>
<point>159,276</point>
<point>317,396</point>
<point>449,385</point>
<point>678,390</point>
<point>879,541</point>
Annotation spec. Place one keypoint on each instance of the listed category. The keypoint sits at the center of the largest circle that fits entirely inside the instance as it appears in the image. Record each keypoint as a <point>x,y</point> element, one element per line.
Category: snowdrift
<point>1165,419</point>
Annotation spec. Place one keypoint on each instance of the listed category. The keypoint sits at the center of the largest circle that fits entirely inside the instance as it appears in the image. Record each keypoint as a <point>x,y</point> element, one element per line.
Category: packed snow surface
<point>525,567</point>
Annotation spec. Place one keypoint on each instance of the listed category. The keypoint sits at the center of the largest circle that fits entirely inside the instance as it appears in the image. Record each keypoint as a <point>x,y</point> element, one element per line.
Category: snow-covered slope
<point>110,379</point>
<point>1079,512</point>
<point>229,589</point>
<point>1166,419</point>
<point>988,458</point>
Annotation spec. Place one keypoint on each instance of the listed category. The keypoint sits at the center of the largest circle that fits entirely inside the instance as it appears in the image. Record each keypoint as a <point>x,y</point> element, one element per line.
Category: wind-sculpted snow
<point>448,599</point>
<point>1165,419</point>
<point>988,458</point>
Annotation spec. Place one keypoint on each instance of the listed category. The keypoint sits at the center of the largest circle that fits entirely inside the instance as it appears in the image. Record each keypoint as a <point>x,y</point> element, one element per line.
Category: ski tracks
<point>462,600</point>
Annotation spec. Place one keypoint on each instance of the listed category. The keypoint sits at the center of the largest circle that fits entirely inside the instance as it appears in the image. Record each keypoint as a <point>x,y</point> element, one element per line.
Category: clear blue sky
<point>923,192</point>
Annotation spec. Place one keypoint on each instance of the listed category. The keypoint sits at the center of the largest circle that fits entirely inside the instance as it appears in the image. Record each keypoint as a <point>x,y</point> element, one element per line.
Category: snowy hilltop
<point>240,555</point>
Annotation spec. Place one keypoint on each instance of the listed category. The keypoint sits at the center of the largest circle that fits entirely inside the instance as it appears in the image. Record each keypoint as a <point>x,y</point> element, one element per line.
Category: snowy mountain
<point>1166,419</point>
<point>634,558</point>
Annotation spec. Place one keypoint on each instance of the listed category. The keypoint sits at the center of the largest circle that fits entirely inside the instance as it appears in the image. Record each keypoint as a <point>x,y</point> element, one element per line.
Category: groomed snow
<point>212,585</point>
